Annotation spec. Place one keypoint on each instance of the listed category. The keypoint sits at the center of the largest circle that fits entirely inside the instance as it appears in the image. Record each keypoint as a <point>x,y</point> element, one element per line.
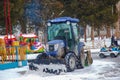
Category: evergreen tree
<point>16,12</point>
<point>92,12</point>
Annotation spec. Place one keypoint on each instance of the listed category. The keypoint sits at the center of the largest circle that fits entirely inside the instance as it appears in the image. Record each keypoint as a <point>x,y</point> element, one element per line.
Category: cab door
<point>75,35</point>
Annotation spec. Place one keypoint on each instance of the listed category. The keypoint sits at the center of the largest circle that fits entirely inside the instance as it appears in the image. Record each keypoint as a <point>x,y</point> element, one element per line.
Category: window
<point>58,29</point>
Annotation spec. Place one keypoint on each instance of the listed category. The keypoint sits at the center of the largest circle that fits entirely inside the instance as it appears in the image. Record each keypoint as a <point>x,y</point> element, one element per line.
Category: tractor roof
<point>64,19</point>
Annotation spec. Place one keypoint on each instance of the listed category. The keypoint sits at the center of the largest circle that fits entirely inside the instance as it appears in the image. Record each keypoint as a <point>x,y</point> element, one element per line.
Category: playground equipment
<point>11,53</point>
<point>4,43</point>
<point>12,56</point>
<point>33,45</point>
<point>2,50</point>
<point>9,42</point>
<point>63,47</point>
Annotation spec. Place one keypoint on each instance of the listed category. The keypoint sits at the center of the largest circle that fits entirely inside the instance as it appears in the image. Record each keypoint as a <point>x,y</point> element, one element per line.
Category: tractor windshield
<point>59,30</point>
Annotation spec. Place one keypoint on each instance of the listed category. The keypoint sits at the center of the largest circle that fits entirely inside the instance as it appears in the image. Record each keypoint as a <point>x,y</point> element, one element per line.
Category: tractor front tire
<point>82,58</point>
<point>41,56</point>
<point>70,61</point>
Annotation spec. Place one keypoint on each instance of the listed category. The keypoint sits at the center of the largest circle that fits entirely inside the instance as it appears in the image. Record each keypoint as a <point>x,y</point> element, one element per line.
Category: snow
<point>97,71</point>
<point>29,35</point>
<point>11,73</point>
<point>89,73</point>
<point>94,50</point>
<point>97,43</point>
<point>32,56</point>
<point>9,36</point>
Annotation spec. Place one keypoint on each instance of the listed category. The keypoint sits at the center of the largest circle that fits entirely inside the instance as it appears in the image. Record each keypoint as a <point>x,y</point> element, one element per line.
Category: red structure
<point>8,20</point>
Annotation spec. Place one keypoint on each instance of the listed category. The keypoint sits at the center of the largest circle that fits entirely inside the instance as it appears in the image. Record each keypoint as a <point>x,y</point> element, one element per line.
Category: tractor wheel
<point>70,60</point>
<point>112,55</point>
<point>41,56</point>
<point>102,55</point>
<point>81,60</point>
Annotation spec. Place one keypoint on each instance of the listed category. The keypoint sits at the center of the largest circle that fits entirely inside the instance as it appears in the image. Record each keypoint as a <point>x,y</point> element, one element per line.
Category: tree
<point>92,12</point>
<point>16,10</point>
<point>50,10</point>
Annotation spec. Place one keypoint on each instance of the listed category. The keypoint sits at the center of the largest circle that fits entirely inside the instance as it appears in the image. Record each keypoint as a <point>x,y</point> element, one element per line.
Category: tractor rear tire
<point>70,61</point>
<point>81,60</point>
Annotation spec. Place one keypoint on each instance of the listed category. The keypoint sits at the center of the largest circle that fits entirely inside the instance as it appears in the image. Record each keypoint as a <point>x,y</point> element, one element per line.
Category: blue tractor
<point>63,46</point>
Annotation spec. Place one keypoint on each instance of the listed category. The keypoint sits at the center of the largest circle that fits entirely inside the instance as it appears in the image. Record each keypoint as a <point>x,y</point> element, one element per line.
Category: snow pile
<point>97,43</point>
<point>32,56</point>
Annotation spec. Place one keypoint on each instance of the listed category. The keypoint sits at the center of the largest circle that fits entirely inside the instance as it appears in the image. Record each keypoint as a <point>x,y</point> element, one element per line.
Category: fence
<point>11,57</point>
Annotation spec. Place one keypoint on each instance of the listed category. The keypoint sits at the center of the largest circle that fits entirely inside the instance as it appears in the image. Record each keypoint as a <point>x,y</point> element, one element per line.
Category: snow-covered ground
<point>99,70</point>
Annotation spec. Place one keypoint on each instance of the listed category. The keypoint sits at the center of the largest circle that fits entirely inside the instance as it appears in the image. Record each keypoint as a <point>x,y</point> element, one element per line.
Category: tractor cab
<point>66,29</point>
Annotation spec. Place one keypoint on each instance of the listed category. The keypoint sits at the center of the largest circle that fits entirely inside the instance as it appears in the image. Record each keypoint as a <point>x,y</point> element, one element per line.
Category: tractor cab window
<point>59,31</point>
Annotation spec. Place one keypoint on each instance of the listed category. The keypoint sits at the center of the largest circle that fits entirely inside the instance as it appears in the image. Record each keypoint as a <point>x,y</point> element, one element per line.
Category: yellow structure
<point>2,50</point>
<point>11,52</point>
<point>21,50</point>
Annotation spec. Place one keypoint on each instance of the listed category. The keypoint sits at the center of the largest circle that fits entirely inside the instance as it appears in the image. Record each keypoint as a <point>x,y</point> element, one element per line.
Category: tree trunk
<point>117,26</point>
<point>85,36</point>
<point>108,35</point>
<point>92,33</point>
<point>117,30</point>
<point>98,31</point>
<point>23,25</point>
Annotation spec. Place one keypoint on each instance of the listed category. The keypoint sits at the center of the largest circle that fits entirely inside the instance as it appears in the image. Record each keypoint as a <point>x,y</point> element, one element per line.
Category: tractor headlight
<point>48,24</point>
<point>56,46</point>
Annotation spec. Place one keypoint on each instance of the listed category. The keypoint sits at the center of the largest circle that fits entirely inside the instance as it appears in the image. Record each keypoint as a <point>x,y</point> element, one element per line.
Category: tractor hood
<point>54,46</point>
<point>53,42</point>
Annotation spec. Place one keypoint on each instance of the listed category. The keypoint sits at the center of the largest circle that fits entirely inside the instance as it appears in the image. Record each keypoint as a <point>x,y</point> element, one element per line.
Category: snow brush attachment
<point>57,72</point>
<point>51,68</point>
<point>32,67</point>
